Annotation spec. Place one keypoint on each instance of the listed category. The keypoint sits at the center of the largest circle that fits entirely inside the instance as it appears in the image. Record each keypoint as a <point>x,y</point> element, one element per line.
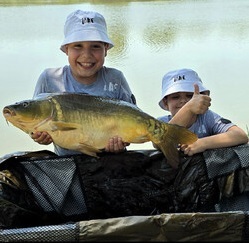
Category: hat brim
<point>86,35</point>
<point>181,87</point>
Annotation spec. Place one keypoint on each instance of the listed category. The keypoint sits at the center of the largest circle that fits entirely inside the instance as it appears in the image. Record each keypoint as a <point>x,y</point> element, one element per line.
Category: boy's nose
<point>85,52</point>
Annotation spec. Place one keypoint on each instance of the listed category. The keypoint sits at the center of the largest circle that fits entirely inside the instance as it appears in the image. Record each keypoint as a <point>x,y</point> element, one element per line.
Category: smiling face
<point>174,102</point>
<point>85,59</point>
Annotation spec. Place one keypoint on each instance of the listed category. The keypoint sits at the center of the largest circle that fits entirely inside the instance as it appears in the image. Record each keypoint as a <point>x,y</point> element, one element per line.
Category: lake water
<point>150,37</point>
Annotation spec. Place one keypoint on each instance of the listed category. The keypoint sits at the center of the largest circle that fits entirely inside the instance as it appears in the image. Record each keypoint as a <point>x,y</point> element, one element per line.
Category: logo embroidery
<point>87,20</point>
<point>112,87</point>
<point>202,129</point>
<point>179,78</point>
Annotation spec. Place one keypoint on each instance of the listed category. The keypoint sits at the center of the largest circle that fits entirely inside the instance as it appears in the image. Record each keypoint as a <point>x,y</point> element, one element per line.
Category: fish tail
<point>171,136</point>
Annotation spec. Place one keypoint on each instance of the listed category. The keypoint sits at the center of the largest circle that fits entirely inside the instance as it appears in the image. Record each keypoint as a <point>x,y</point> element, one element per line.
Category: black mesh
<point>223,161</point>
<point>230,167</point>
<point>56,185</point>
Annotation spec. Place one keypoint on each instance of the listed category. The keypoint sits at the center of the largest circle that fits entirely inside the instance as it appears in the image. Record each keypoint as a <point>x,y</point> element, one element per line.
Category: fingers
<point>41,138</point>
<point>194,148</point>
<point>199,102</point>
<point>186,149</point>
<point>115,145</point>
<point>196,89</point>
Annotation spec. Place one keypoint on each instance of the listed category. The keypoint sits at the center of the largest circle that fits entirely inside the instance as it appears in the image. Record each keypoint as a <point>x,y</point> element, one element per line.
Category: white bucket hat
<point>85,26</point>
<point>181,80</point>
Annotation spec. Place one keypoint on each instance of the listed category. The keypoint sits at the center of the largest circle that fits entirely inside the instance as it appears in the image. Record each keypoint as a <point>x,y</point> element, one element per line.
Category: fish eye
<point>25,104</point>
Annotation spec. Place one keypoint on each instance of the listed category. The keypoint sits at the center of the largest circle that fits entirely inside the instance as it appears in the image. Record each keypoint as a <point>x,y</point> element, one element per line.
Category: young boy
<point>86,44</point>
<point>188,101</point>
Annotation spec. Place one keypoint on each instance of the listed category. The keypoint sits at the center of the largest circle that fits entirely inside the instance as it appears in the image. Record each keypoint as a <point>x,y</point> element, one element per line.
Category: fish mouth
<point>7,112</point>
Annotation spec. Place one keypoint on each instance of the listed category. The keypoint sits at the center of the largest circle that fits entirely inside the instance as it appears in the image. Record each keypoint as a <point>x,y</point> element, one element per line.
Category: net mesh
<point>56,185</point>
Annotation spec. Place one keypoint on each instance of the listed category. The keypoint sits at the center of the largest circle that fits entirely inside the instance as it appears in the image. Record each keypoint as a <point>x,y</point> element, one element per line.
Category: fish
<point>85,123</point>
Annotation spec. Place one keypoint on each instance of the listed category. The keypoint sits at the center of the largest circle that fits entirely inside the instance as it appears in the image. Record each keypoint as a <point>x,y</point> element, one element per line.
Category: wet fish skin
<point>85,123</point>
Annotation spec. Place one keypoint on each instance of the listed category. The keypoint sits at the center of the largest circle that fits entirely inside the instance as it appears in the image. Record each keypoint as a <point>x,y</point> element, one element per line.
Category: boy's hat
<point>181,80</point>
<point>85,26</point>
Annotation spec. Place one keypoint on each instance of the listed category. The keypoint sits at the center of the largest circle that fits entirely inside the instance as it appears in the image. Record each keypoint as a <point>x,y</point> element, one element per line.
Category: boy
<point>188,101</point>
<point>86,44</point>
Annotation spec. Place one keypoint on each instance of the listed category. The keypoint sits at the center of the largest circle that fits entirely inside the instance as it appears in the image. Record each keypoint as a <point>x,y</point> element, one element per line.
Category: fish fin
<point>89,150</point>
<point>174,136</point>
<point>184,136</point>
<point>64,126</point>
<point>171,153</point>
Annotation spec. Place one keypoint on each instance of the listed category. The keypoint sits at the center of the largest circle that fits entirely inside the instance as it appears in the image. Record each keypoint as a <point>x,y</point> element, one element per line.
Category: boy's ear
<point>165,103</point>
<point>66,49</point>
<point>106,48</point>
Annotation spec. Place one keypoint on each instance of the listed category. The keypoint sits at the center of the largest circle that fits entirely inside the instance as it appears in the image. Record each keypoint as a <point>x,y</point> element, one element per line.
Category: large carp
<point>85,123</point>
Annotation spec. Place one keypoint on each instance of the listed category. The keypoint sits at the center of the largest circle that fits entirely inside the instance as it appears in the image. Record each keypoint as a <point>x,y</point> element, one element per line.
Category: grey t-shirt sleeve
<point>40,85</point>
<point>220,124</point>
<point>50,81</point>
<point>210,124</point>
<point>125,91</point>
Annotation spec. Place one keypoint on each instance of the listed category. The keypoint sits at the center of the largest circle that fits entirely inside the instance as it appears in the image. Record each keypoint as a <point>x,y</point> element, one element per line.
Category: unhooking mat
<point>131,196</point>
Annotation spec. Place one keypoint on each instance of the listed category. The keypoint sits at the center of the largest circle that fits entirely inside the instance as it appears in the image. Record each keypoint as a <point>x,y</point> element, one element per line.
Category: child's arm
<point>233,137</point>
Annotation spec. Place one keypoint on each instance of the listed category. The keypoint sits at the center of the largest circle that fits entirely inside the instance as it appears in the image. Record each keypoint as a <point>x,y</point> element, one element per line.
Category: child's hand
<point>116,145</point>
<point>194,148</point>
<point>41,138</point>
<point>199,102</point>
